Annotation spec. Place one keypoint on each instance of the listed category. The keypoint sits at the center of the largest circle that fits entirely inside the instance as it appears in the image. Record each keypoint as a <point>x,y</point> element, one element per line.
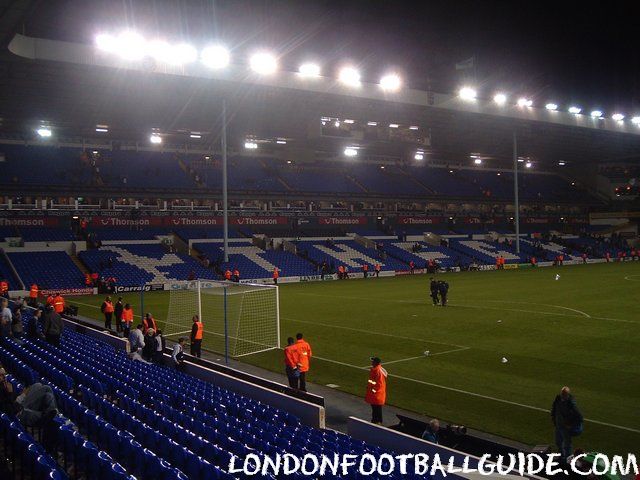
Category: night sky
<point>570,52</point>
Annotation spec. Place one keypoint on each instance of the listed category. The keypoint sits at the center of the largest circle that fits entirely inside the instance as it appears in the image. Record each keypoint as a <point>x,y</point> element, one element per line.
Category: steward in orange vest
<point>304,350</point>
<point>4,288</point>
<point>58,304</point>
<point>197,329</point>
<point>376,390</point>
<point>127,320</point>
<point>148,322</point>
<point>292,363</point>
<point>107,309</point>
<point>227,275</point>
<point>276,275</point>
<point>377,269</point>
<point>365,269</point>
<point>33,295</point>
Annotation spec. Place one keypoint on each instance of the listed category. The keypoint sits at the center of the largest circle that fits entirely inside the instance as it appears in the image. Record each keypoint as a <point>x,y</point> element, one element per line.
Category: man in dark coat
<point>443,290</point>
<point>567,419</point>
<point>433,286</point>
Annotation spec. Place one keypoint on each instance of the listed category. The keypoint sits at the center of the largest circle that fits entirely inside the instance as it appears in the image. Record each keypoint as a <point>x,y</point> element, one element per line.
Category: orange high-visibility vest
<point>304,350</point>
<point>291,356</point>
<point>276,273</point>
<point>199,331</point>
<point>227,275</point>
<point>4,287</point>
<point>58,304</point>
<point>377,386</point>
<point>108,307</point>
<point>33,293</point>
<point>50,300</point>
<point>127,315</point>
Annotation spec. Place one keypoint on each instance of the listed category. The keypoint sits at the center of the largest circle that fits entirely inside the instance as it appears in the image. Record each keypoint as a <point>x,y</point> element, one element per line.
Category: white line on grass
<point>370,332</point>
<point>542,305</point>
<point>478,395</point>
<point>462,349</point>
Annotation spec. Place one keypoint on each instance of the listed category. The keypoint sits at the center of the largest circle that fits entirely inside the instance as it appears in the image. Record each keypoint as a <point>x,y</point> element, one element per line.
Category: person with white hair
<point>567,419</point>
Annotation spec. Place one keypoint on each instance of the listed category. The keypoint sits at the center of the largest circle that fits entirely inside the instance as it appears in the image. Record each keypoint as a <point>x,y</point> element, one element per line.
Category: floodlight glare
<point>413,127</point>
<point>500,98</point>
<point>155,139</point>
<point>250,145</point>
<point>551,106</point>
<point>350,152</point>
<point>106,42</point>
<point>309,70</point>
<point>419,156</point>
<point>102,128</point>
<point>349,76</point>
<point>44,132</point>
<point>375,124</point>
<point>525,102</point>
<point>393,125</point>
<point>561,163</point>
<point>263,63</point>
<point>195,135</point>
<point>215,56</point>
<point>596,114</point>
<point>390,83</point>
<point>528,164</point>
<point>281,142</point>
<point>131,46</point>
<point>477,161</point>
<point>467,93</point>
<point>618,117</point>
<point>348,120</point>
<point>635,120</point>
<point>337,123</point>
<point>575,110</point>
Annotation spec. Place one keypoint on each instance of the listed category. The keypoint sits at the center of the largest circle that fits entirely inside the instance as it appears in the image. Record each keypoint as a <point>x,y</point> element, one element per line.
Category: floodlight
<point>250,145</point>
<point>419,156</point>
<point>102,128</point>
<point>155,138</point>
<point>106,42</point>
<point>467,93</point>
<point>618,117</point>
<point>498,174</point>
<point>575,110</point>
<point>525,102</point>
<point>348,120</point>
<point>393,125</point>
<point>349,76</point>
<point>337,123</point>
<point>528,164</point>
<point>350,152</point>
<point>263,63</point>
<point>477,161</point>
<point>500,98</point>
<point>215,56</point>
<point>309,70</point>
<point>390,82</point>
<point>635,120</point>
<point>375,124</point>
<point>130,46</point>
<point>596,114</point>
<point>551,106</point>
<point>195,135</point>
<point>561,163</point>
<point>281,142</point>
<point>44,132</point>
<point>413,127</point>
<point>381,167</point>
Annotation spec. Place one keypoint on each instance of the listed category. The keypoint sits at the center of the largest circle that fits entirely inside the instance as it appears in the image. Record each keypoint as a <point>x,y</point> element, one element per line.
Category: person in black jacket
<point>53,326</point>
<point>443,290</point>
<point>433,286</point>
<point>567,420</point>
<point>118,309</point>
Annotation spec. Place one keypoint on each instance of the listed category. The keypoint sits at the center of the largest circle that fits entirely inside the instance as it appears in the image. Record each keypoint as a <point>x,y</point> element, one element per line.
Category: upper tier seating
<point>243,173</point>
<point>49,270</point>
<point>317,179</point>
<point>166,425</point>
<point>389,180</point>
<point>146,263</point>
<point>144,170</point>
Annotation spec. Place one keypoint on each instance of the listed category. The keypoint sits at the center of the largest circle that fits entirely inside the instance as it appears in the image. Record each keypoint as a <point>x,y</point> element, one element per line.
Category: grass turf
<point>581,330</point>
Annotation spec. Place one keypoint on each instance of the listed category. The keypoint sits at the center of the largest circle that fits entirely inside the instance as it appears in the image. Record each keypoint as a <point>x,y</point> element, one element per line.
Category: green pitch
<point>582,330</point>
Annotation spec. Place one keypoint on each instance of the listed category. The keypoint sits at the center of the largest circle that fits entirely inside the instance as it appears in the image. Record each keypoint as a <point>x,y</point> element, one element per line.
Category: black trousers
<point>443,299</point>
<point>376,413</point>
<point>302,381</point>
<point>118,324</point>
<point>107,320</point>
<point>434,297</point>
<point>126,330</point>
<point>53,339</point>
<point>196,348</point>
<point>293,380</point>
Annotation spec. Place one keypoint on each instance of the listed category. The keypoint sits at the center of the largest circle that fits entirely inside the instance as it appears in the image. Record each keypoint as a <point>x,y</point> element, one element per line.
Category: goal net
<point>239,319</point>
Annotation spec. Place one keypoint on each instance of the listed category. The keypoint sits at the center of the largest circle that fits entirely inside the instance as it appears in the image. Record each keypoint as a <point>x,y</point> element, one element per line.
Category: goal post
<point>239,318</point>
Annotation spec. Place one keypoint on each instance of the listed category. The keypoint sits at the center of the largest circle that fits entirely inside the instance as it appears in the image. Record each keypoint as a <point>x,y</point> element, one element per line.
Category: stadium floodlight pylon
<point>239,318</point>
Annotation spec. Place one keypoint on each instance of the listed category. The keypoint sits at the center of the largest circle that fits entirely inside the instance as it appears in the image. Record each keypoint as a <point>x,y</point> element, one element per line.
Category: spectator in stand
<point>32,328</point>
<point>431,432</point>
<point>177,356</point>
<point>227,275</point>
<point>376,390</point>
<point>149,349</point>
<point>197,331</point>
<point>304,351</point>
<point>127,320</point>
<point>136,342</point>
<point>16,323</point>
<point>292,363</point>
<point>117,312</point>
<point>567,419</point>
<point>6,318</point>
<point>236,275</point>
<point>7,394</point>
<point>160,345</point>
<point>53,326</point>
<point>107,309</point>
<point>36,407</point>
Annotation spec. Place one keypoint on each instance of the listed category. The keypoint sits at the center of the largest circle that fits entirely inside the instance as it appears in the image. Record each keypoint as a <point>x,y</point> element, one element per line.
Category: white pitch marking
<point>543,305</point>
<point>461,349</point>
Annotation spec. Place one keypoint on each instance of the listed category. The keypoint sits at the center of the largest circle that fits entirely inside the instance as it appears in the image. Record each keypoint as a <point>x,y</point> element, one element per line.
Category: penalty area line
<point>478,395</point>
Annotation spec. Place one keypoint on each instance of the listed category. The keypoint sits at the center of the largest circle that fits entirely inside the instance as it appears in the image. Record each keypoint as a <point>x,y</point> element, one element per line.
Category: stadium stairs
<point>123,418</point>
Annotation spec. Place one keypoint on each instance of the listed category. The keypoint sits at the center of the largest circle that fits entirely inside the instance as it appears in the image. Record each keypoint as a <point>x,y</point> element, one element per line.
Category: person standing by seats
<point>107,309</point>
<point>443,290</point>
<point>160,344</point>
<point>4,288</point>
<point>58,304</point>
<point>227,275</point>
<point>292,363</point>
<point>127,320</point>
<point>33,295</point>
<point>53,326</point>
<point>118,308</point>
<point>276,275</point>
<point>177,356</point>
<point>136,340</point>
<point>567,420</point>
<point>304,351</point>
<point>16,323</point>
<point>37,407</point>
<point>149,349</point>
<point>377,270</point>
<point>197,330</point>
<point>433,287</point>
<point>148,322</point>
<point>376,395</point>
<point>6,318</point>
